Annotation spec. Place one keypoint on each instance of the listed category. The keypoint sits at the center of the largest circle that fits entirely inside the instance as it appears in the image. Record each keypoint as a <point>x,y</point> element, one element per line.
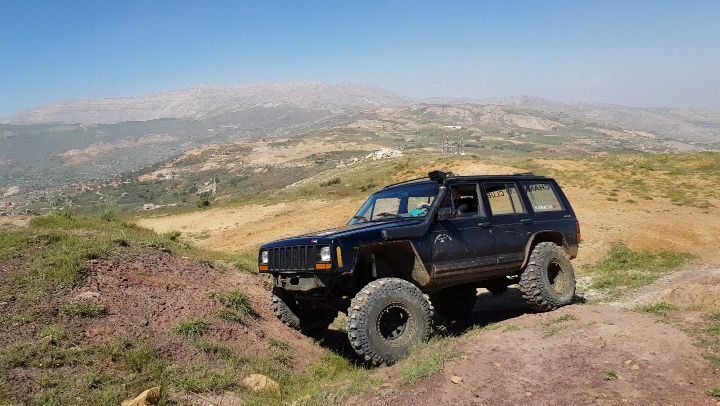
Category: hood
<point>361,232</point>
<point>353,229</point>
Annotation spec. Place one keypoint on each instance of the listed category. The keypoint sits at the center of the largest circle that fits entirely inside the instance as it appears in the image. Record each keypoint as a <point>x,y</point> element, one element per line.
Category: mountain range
<point>96,139</point>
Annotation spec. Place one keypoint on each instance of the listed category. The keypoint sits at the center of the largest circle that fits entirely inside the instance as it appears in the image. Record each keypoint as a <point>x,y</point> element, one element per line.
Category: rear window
<point>543,196</point>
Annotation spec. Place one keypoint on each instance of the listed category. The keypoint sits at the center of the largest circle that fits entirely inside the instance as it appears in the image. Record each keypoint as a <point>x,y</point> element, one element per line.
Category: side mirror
<point>445,213</point>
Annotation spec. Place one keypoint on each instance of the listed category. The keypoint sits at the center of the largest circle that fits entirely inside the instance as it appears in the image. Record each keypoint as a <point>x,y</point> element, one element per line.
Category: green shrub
<point>610,376</point>
<point>192,328</point>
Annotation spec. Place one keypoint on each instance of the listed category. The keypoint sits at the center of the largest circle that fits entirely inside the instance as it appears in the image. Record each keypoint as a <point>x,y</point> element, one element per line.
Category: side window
<point>464,199</point>
<point>542,196</point>
<point>504,199</point>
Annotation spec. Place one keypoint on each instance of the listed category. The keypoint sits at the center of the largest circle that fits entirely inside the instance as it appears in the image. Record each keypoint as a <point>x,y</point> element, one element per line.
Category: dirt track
<point>581,354</point>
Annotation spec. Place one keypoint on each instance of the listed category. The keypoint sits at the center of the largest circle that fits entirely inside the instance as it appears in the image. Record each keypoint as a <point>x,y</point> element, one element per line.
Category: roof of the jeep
<point>472,178</point>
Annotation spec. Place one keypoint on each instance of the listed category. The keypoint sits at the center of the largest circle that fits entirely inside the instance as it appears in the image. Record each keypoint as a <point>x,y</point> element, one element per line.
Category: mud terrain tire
<point>387,318</point>
<point>548,281</point>
<point>292,313</point>
<point>453,303</point>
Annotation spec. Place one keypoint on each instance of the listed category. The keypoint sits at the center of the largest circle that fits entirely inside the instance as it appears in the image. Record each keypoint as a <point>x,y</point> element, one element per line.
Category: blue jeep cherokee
<point>421,248</point>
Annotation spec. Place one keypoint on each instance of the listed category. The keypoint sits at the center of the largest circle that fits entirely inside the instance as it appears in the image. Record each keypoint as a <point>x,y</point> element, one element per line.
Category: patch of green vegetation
<point>82,310</point>
<point>511,327</point>
<point>562,319</point>
<point>201,379</point>
<point>216,349</point>
<point>237,306</point>
<point>715,361</point>
<point>624,269</point>
<point>234,299</point>
<point>332,380</point>
<point>425,360</point>
<point>282,351</point>
<point>192,328</point>
<point>330,182</point>
<point>659,308</point>
<point>13,242</point>
<point>610,376</point>
<point>111,215</point>
<point>558,324</point>
<point>489,327</point>
<point>714,392</point>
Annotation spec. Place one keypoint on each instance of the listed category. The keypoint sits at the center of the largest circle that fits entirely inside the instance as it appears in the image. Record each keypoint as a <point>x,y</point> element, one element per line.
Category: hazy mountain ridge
<point>157,127</point>
<point>208,101</point>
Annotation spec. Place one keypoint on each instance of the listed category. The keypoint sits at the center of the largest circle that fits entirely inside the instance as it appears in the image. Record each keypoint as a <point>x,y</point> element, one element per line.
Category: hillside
<point>45,151</point>
<point>97,309</point>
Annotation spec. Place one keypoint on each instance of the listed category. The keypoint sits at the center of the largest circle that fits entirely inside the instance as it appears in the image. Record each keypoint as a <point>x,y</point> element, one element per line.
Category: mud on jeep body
<point>421,248</point>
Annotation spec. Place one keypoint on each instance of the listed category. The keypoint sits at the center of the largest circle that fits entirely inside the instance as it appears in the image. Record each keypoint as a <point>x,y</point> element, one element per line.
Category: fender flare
<point>419,273</point>
<point>534,237</point>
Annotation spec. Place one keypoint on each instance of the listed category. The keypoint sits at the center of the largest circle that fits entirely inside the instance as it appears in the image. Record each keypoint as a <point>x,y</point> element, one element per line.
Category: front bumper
<point>301,282</point>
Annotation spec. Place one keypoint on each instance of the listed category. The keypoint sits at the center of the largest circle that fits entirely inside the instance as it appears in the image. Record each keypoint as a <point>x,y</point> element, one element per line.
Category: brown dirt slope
<point>148,294</point>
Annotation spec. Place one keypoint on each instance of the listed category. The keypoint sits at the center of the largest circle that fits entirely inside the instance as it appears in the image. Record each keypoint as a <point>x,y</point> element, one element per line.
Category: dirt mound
<point>692,287</point>
<point>148,294</point>
<point>577,355</point>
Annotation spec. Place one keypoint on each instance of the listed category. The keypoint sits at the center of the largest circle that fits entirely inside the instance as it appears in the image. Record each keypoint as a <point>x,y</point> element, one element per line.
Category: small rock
<point>528,393</point>
<point>496,364</point>
<point>260,383</point>
<point>147,398</point>
<point>635,367</point>
<point>628,362</point>
<point>86,295</point>
<point>456,379</point>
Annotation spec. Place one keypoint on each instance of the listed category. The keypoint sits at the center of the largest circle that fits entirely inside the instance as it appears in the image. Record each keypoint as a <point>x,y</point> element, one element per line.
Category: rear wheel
<point>548,281</point>
<point>301,316</point>
<point>386,319</point>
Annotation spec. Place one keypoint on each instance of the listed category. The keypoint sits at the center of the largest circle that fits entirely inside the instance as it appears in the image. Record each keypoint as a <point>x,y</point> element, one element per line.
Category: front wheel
<point>548,281</point>
<point>386,319</point>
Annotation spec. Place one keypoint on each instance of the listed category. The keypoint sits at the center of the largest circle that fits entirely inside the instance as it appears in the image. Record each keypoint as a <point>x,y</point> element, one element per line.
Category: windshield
<point>411,201</point>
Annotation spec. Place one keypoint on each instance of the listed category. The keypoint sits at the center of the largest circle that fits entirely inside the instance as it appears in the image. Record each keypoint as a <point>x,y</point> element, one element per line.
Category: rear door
<point>510,219</point>
<point>465,242</point>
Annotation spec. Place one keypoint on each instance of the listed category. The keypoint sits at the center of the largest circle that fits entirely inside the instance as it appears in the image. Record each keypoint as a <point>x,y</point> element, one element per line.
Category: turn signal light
<point>322,267</point>
<point>264,268</point>
<point>579,235</point>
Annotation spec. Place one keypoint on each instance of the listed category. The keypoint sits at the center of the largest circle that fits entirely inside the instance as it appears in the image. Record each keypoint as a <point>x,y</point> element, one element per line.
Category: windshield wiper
<point>384,216</point>
<point>361,219</point>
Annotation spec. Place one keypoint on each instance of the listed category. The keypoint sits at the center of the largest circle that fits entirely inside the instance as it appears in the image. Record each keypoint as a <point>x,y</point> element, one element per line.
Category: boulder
<point>147,398</point>
<point>260,383</point>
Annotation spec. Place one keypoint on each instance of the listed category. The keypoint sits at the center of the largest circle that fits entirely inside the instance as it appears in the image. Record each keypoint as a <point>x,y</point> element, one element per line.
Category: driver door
<point>465,242</point>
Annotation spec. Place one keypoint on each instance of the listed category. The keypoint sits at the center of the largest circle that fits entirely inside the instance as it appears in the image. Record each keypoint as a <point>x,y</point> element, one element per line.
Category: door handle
<point>526,221</point>
<point>484,224</point>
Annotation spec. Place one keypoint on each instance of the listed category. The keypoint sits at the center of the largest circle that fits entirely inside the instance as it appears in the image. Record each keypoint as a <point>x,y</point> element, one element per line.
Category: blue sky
<point>638,53</point>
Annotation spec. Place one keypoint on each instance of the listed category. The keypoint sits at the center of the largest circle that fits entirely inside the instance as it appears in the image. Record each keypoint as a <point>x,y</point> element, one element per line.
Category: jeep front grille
<point>298,258</point>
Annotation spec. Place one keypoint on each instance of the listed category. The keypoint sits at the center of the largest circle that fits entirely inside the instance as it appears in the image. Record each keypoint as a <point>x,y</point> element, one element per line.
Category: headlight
<point>325,254</point>
<point>264,257</point>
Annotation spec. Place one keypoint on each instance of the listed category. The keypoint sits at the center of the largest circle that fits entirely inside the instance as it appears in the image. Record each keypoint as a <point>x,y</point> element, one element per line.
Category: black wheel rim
<point>392,321</point>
